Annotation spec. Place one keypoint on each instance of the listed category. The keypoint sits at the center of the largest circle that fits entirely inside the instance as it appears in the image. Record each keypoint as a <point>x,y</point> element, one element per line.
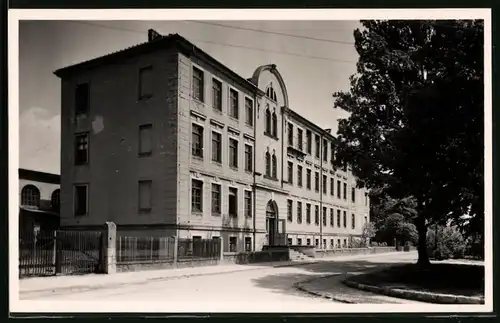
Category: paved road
<point>264,285</point>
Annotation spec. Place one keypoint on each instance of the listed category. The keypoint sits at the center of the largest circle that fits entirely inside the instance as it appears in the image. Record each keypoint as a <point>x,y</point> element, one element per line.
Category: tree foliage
<point>416,117</point>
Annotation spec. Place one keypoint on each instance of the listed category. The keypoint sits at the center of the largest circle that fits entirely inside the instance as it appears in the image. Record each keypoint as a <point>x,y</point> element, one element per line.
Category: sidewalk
<point>56,284</point>
<point>65,284</point>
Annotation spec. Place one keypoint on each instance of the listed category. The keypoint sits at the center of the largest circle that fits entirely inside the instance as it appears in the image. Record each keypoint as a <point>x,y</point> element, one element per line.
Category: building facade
<point>39,200</point>
<point>162,139</point>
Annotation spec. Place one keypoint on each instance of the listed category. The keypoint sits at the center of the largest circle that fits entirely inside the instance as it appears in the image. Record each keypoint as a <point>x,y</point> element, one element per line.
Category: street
<point>268,284</point>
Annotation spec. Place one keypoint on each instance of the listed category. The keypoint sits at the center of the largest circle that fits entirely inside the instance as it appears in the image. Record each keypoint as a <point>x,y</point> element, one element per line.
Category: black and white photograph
<point>300,161</point>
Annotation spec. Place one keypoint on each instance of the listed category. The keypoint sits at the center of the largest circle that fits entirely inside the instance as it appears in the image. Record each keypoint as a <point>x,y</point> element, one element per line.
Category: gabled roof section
<point>156,42</point>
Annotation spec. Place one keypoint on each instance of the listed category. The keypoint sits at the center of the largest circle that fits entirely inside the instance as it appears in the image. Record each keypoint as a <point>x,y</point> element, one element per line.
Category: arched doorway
<point>271,222</point>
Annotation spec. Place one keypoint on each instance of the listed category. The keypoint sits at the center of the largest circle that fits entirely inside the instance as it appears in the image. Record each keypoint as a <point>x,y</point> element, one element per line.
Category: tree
<point>416,117</point>
<point>396,217</point>
<point>367,233</point>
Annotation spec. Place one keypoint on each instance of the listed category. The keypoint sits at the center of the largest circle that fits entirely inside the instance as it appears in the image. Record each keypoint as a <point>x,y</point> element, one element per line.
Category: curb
<point>415,295</point>
<point>81,288</point>
<point>300,286</point>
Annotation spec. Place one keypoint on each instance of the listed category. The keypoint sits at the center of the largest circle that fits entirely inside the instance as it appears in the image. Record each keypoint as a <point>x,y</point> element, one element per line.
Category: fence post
<point>176,248</point>
<point>109,248</point>
<point>59,253</point>
<point>54,252</point>
<point>221,240</point>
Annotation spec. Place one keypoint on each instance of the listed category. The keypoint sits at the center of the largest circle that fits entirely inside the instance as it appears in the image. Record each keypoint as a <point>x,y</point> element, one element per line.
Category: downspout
<point>283,110</point>
<point>254,190</point>
<point>321,149</point>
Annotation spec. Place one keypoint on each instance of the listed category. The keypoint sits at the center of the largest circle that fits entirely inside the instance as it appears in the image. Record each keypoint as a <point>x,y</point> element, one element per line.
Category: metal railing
<point>145,249</point>
<point>198,249</point>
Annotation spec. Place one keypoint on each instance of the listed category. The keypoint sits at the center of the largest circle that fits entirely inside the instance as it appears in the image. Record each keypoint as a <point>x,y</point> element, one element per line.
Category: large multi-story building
<point>163,139</point>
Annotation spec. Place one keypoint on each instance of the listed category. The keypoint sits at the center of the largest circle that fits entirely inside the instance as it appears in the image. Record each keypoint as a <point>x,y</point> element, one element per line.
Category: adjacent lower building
<point>39,201</point>
<point>164,140</point>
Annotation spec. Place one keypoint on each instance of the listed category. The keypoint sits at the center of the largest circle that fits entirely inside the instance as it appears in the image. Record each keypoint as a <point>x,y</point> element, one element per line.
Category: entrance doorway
<point>271,222</point>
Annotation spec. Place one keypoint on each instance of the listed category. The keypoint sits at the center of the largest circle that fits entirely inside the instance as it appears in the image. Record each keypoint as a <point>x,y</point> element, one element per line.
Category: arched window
<point>268,120</point>
<point>270,93</point>
<point>275,167</point>
<point>55,200</point>
<point>30,196</point>
<point>275,125</point>
<point>268,164</point>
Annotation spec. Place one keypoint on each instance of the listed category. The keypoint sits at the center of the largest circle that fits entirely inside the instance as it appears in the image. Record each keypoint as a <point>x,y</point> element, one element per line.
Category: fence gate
<point>45,253</point>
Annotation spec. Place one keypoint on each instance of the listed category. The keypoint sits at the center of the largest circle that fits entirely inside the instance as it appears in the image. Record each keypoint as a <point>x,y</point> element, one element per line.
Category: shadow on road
<point>283,282</point>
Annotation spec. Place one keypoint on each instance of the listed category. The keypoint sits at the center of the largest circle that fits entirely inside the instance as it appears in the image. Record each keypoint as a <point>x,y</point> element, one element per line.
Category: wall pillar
<point>109,248</point>
<point>176,249</point>
<point>221,247</point>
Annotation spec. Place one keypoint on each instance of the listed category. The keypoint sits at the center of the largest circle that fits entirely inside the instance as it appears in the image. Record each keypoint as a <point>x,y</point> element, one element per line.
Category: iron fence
<point>144,249</point>
<point>198,249</point>
<point>45,253</point>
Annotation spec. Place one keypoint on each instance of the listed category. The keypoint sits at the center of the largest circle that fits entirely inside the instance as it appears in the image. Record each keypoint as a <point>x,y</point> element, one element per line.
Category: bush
<point>450,243</point>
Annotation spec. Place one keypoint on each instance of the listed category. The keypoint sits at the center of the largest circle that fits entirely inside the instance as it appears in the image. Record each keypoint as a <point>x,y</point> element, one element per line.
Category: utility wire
<point>273,32</point>
<point>224,44</point>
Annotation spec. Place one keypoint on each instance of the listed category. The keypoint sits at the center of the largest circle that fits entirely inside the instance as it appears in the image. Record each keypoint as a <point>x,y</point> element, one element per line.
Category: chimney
<point>153,35</point>
<point>328,130</point>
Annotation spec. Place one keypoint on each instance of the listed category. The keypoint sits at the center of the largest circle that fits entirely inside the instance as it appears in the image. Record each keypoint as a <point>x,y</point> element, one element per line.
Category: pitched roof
<point>155,43</point>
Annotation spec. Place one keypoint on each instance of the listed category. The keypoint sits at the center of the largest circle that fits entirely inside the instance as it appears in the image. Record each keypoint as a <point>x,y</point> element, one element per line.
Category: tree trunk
<point>423,257</point>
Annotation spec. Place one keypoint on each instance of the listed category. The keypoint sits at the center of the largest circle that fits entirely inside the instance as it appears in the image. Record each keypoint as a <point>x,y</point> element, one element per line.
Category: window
<point>332,151</point>
<point>290,172</point>
<point>299,175</point>
<point>82,149</point>
<point>309,141</point>
<point>290,134</point>
<point>308,179</point>
<point>345,243</point>
<point>316,181</point>
<point>332,221</point>
<point>81,200</point>
<point>145,196</point>
<point>338,243</point>
<point>324,243</point>
<point>353,221</point>
<point>30,196</point>
<point>353,194</point>
<point>249,112</point>
<point>299,212</point>
<point>289,210</point>
<point>325,184</point>
<point>275,124</point>
<point>300,141</point>
<point>325,150</point>
<point>145,140</point>
<point>198,84</point>
<point>55,200</point>
<point>248,158</point>
<point>345,191</point>
<point>82,99</point>
<point>366,199</point>
<point>308,241</point>
<point>233,242</point>
<point>308,213</point>
<point>318,144</point>
<point>197,141</point>
<point>332,185</point>
<point>248,244</point>
<point>366,219</point>
<point>345,219</point>
<point>196,195</point>
<point>316,214</point>
<point>216,95</point>
<point>290,241</point>
<point>268,164</point>
<point>338,218</point>
<point>248,204</point>
<point>233,104</point>
<point>233,152</point>
<point>324,216</point>
<point>275,167</point>
<point>299,241</point>
<point>269,124</point>
<point>270,93</point>
<point>316,242</point>
<point>216,147</point>
<point>216,199</point>
<point>145,82</point>
<point>233,201</point>
<point>338,189</point>
<point>332,243</point>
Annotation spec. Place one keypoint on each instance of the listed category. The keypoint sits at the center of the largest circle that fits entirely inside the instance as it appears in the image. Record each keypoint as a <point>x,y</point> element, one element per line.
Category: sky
<point>315,61</point>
